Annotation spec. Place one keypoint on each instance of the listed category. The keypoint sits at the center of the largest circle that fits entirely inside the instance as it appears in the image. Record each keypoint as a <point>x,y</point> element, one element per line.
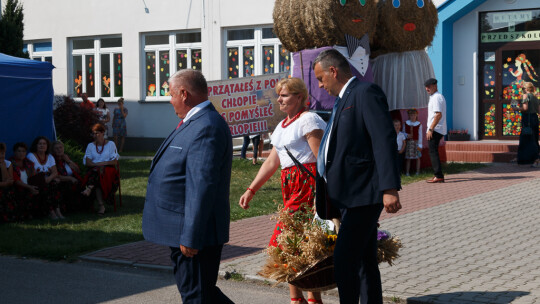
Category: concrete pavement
<point>472,239</point>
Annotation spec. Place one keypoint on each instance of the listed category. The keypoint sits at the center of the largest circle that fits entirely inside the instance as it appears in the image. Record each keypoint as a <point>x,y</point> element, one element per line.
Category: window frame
<point>39,54</point>
<point>172,47</point>
<point>96,51</point>
<point>258,43</point>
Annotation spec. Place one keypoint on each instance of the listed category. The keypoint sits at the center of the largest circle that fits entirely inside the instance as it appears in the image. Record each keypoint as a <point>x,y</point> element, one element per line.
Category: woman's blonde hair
<point>529,87</point>
<point>294,86</point>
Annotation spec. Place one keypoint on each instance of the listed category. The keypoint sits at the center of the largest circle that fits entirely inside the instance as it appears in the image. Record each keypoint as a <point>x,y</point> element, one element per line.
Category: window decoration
<point>97,67</point>
<point>164,55</point>
<point>150,74</point>
<point>268,59</point>
<point>489,120</point>
<point>511,120</point>
<point>248,62</point>
<point>489,81</point>
<point>284,60</point>
<point>232,66</point>
<point>253,52</point>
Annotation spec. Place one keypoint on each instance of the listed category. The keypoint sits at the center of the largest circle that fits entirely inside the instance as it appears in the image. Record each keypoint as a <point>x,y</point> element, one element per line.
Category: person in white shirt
<point>7,199</point>
<point>102,178</point>
<point>26,194</point>
<point>401,144</point>
<point>104,114</point>
<point>45,165</point>
<point>436,124</point>
<point>70,181</point>
<point>301,132</point>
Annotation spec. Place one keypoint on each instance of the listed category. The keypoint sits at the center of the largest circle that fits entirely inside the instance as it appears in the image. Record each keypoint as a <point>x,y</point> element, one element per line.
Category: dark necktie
<point>321,159</point>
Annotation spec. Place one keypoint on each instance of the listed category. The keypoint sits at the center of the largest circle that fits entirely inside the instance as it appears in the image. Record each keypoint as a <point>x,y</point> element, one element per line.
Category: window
<point>253,52</point>
<point>40,51</point>
<point>164,54</point>
<point>96,67</point>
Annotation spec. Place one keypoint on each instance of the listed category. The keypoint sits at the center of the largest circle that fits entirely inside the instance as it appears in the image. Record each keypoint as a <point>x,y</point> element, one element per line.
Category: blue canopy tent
<point>26,101</point>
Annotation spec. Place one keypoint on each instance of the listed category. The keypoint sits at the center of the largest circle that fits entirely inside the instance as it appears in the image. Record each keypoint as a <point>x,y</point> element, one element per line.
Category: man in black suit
<point>356,175</point>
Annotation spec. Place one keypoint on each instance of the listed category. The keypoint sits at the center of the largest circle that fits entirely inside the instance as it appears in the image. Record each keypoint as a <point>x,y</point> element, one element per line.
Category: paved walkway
<point>472,239</point>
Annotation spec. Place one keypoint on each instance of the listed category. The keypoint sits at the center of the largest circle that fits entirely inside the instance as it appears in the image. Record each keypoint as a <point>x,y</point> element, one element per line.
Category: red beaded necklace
<point>295,117</point>
<point>102,147</point>
<point>41,161</point>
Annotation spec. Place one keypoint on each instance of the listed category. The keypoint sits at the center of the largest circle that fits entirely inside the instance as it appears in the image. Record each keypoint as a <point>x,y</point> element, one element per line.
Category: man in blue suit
<point>187,199</point>
<point>356,175</point>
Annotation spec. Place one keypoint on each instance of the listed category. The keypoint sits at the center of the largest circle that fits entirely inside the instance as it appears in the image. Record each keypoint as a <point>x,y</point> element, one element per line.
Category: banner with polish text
<point>249,104</point>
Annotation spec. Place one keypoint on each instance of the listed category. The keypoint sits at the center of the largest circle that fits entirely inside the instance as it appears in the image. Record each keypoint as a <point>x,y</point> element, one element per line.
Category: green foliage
<point>74,151</point>
<point>11,29</point>
<point>73,122</point>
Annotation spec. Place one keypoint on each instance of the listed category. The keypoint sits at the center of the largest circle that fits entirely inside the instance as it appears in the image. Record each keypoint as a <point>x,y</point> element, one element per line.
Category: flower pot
<point>458,137</point>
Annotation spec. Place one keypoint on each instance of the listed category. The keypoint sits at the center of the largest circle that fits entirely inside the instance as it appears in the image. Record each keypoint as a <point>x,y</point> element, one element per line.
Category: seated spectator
<point>102,178</point>
<point>46,177</point>
<point>70,181</point>
<point>25,194</point>
<point>7,196</point>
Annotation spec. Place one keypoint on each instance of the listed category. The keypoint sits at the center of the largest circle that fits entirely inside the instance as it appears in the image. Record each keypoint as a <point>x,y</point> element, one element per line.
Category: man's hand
<point>391,201</point>
<point>189,252</point>
<point>429,135</point>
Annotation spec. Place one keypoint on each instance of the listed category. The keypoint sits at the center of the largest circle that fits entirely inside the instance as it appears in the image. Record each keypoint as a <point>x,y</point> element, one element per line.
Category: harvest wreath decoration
<point>304,255</point>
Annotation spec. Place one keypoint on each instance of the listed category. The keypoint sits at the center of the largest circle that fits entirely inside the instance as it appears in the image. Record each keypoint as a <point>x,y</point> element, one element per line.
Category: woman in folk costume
<point>301,133</point>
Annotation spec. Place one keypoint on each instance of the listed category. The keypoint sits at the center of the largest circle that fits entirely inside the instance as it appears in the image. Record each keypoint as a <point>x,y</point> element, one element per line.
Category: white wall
<point>465,50</point>
<point>59,20</point>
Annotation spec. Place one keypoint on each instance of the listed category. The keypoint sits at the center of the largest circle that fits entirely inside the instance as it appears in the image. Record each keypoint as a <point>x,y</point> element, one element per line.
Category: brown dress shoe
<point>435,180</point>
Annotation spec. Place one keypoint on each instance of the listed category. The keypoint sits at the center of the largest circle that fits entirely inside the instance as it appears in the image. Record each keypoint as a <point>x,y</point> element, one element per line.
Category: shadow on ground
<point>488,297</point>
<point>232,251</point>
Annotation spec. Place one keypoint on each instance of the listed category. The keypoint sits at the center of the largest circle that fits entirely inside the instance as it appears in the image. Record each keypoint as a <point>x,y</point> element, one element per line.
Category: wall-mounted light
<point>146,10</point>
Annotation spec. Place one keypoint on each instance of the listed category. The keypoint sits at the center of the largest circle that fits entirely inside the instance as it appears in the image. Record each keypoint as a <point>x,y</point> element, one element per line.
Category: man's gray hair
<point>192,79</point>
<point>332,57</point>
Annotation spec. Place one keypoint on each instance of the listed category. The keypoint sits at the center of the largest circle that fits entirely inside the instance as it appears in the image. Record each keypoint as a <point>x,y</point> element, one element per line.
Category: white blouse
<point>108,153</point>
<point>42,167</point>
<point>293,137</point>
<point>102,113</point>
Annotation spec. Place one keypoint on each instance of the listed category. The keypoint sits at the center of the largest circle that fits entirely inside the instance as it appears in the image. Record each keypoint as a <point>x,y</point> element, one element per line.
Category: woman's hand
<point>33,190</point>
<point>245,199</point>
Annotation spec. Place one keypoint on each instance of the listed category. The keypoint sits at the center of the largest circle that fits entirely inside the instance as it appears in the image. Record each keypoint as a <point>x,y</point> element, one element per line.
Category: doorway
<point>504,72</point>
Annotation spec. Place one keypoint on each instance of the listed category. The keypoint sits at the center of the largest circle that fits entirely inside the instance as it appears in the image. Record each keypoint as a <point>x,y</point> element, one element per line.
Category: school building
<point>482,52</point>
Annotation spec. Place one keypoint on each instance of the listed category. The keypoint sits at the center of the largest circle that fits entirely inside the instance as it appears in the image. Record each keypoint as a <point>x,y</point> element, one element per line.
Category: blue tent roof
<point>26,105</point>
<point>24,68</point>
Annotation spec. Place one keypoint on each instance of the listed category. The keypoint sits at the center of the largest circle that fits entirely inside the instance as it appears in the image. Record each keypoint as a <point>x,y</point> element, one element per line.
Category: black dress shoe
<point>435,180</point>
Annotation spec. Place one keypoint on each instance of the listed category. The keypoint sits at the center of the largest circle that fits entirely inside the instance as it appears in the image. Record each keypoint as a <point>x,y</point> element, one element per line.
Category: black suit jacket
<point>362,151</point>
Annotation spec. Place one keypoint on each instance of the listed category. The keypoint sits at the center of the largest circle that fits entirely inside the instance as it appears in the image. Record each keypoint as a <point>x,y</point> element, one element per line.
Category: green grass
<point>138,153</point>
<point>85,232</point>
<point>264,202</point>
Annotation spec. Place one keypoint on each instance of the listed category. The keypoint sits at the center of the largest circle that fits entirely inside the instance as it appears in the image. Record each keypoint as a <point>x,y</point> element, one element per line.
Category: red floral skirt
<point>106,178</point>
<point>297,188</point>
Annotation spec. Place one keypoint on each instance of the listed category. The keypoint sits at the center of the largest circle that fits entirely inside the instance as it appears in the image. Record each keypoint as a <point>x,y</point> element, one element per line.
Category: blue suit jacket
<point>362,151</point>
<point>187,199</point>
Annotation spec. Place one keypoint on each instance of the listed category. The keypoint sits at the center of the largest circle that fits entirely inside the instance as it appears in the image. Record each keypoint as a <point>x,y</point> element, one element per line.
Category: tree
<point>11,29</point>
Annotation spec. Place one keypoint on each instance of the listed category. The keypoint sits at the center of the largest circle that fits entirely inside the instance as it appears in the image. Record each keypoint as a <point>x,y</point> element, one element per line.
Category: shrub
<point>74,123</point>
<point>74,151</point>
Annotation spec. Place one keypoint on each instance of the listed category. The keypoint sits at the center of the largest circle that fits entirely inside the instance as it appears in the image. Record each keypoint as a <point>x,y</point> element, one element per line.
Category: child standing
<point>401,137</point>
<point>413,149</point>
